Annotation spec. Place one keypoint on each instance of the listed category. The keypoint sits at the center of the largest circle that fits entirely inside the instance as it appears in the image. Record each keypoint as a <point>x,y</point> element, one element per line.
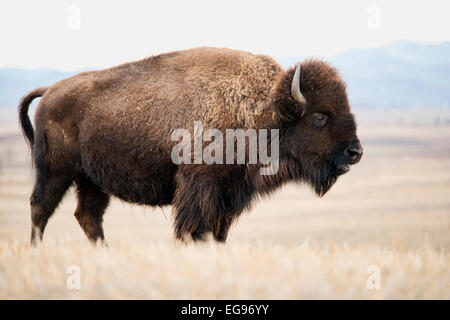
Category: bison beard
<point>108,133</point>
<point>322,177</point>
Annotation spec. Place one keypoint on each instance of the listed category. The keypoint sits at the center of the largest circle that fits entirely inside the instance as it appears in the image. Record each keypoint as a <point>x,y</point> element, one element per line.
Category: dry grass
<point>392,210</point>
<point>159,270</point>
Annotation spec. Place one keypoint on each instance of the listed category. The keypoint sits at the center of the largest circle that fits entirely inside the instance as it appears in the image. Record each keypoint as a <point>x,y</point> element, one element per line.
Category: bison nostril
<point>353,153</point>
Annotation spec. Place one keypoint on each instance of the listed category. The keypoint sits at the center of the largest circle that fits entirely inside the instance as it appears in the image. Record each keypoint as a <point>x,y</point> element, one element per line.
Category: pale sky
<point>74,35</point>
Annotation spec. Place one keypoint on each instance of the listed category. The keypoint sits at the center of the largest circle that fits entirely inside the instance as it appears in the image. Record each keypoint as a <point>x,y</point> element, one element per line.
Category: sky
<point>76,35</point>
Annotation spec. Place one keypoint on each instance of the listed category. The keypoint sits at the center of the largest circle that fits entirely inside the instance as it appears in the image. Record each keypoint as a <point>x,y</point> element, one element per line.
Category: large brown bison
<point>109,132</point>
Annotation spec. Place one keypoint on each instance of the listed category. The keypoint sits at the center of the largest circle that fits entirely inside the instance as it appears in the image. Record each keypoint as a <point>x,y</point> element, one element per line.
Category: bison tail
<point>24,120</point>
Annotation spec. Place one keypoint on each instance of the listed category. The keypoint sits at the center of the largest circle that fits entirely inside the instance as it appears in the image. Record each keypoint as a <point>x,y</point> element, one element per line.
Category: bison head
<point>319,131</point>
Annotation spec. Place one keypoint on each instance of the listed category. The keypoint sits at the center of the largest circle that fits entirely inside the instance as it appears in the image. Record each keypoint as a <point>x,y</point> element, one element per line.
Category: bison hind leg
<point>47,193</point>
<point>53,178</point>
<point>92,202</point>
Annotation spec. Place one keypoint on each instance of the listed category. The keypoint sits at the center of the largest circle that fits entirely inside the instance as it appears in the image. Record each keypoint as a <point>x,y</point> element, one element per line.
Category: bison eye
<point>319,119</point>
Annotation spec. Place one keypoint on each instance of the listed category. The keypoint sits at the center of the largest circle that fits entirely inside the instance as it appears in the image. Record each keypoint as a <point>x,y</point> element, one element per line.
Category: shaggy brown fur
<point>108,132</point>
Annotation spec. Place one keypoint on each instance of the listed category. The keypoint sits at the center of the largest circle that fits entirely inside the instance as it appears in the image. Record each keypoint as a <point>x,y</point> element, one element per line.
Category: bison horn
<point>295,87</point>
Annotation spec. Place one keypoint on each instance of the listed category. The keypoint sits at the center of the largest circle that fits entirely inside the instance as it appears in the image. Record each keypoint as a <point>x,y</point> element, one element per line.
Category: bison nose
<point>353,152</point>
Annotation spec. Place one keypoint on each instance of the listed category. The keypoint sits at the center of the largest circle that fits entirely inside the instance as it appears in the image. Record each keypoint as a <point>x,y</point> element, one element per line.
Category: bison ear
<point>290,104</point>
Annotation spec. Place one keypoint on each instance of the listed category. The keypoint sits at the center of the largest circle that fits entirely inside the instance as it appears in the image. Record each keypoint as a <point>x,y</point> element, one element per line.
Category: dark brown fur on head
<point>317,153</point>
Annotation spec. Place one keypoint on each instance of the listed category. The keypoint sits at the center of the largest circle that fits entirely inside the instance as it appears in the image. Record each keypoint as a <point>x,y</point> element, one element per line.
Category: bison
<point>108,132</point>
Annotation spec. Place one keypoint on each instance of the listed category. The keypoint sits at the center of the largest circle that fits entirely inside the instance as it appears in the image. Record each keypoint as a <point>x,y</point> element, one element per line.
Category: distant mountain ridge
<point>15,83</point>
<point>402,74</point>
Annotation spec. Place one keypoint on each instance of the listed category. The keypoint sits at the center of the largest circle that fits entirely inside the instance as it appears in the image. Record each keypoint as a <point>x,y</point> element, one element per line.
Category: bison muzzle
<point>108,133</point>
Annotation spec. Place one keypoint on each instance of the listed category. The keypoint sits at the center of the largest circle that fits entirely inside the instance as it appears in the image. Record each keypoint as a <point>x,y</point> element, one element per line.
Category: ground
<point>381,232</point>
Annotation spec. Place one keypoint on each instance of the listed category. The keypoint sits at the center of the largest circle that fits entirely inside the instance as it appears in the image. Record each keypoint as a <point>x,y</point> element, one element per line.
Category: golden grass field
<point>392,211</point>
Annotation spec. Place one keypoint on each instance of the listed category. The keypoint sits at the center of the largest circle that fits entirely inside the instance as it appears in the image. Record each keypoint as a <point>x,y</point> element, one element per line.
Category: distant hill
<point>15,83</point>
<point>402,74</point>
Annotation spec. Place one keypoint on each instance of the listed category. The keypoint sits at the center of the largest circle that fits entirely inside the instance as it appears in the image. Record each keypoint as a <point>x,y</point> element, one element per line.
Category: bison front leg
<point>198,203</point>
<point>202,205</point>
<point>221,228</point>
<point>191,218</point>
